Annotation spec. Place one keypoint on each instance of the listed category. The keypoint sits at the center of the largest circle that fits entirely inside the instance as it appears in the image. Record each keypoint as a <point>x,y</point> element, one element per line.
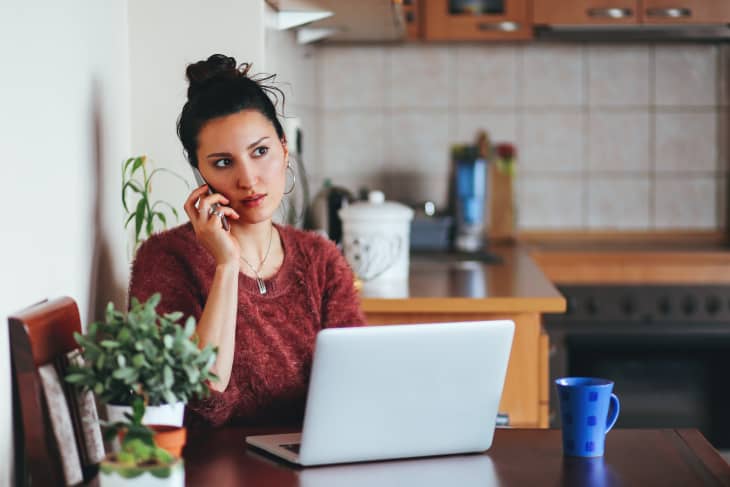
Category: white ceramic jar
<point>376,238</point>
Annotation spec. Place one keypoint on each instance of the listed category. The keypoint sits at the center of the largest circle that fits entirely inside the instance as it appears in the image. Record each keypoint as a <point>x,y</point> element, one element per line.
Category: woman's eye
<point>222,163</point>
<point>260,151</point>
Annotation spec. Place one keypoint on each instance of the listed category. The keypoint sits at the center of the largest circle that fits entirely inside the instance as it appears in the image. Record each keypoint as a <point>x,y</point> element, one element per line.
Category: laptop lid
<point>383,392</point>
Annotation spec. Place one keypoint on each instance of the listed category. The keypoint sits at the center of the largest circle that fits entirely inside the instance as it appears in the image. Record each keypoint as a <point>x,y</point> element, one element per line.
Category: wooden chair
<point>39,335</point>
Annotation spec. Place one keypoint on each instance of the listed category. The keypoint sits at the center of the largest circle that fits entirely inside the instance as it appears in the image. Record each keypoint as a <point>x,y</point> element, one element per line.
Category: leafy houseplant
<point>138,455</point>
<point>145,210</point>
<point>142,354</point>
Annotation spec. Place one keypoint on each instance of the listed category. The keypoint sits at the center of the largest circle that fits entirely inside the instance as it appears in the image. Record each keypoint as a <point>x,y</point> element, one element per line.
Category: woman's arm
<point>217,324</point>
<point>340,300</point>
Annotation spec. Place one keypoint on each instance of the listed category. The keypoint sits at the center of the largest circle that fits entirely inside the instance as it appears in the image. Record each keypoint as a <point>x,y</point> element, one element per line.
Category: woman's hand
<point>209,228</point>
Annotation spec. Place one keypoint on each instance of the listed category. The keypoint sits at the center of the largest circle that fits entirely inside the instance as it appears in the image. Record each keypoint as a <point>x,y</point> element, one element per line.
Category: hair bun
<point>217,67</point>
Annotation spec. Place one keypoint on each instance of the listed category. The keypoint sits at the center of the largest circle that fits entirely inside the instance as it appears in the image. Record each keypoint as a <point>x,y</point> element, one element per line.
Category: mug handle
<point>612,417</point>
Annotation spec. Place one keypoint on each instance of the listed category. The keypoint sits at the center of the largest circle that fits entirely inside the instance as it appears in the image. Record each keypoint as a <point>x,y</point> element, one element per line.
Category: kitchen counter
<point>447,289</point>
<point>516,284</point>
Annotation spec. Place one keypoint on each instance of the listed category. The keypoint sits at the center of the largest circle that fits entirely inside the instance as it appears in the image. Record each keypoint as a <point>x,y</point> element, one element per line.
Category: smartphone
<point>199,179</point>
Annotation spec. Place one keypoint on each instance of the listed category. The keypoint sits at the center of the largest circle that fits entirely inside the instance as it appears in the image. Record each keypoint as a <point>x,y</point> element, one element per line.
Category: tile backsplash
<point>620,136</point>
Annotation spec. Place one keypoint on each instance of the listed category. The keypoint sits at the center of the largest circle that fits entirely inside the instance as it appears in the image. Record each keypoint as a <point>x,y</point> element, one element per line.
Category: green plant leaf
<point>75,378</point>
<point>126,374</point>
<point>167,374</point>
<point>161,217</point>
<point>139,217</point>
<point>131,184</point>
<point>138,163</point>
<point>126,164</point>
<point>109,344</point>
<point>189,326</point>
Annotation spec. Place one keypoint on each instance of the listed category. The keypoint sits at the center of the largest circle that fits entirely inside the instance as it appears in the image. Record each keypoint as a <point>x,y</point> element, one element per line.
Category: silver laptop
<point>399,391</point>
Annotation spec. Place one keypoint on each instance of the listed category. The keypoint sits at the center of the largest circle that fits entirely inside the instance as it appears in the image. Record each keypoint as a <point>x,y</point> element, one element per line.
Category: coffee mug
<point>588,410</point>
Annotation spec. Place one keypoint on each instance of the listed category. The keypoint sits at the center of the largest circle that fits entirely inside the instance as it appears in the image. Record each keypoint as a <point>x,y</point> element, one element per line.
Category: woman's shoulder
<point>177,240</point>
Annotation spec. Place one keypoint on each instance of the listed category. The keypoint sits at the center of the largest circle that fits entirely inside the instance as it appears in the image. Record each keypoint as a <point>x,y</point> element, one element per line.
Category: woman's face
<point>242,157</point>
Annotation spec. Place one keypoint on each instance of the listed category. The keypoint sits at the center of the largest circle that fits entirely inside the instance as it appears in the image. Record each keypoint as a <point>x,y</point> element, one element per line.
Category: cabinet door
<point>473,20</point>
<point>585,12</point>
<point>685,11</point>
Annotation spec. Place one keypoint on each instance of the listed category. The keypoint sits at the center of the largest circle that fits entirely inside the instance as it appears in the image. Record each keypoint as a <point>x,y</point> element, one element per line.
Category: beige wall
<point>63,62</point>
<point>626,136</point>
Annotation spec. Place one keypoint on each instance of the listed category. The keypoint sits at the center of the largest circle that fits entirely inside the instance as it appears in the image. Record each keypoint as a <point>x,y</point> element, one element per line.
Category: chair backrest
<point>41,337</point>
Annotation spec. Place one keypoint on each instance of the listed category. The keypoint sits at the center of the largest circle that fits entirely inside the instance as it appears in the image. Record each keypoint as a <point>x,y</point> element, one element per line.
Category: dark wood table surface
<point>518,457</point>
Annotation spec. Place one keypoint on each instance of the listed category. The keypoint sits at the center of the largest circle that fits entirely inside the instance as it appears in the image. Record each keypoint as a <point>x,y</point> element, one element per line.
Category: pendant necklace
<point>259,281</point>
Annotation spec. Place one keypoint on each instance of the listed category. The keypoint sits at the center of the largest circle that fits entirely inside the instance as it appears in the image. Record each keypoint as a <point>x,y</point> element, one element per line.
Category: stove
<point>667,348</point>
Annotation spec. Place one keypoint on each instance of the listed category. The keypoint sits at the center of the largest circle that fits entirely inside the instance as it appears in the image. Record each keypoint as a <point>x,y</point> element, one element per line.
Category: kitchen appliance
<point>323,214</point>
<point>666,347</point>
<point>470,190</point>
<point>376,243</point>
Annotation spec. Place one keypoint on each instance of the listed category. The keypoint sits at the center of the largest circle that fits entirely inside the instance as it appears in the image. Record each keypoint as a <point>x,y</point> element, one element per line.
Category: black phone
<point>200,181</point>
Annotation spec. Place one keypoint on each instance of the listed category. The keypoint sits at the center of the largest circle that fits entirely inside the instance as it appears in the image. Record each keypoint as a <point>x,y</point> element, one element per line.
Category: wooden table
<point>519,457</point>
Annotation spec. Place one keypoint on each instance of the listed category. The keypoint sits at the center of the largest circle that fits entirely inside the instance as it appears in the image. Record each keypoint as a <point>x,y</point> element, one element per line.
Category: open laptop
<point>399,391</point>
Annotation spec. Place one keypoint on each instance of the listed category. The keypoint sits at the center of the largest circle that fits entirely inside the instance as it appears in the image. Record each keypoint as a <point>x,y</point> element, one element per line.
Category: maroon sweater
<point>275,332</point>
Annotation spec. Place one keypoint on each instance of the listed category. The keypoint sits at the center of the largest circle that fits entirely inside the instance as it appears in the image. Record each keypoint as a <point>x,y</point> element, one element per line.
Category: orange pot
<point>170,438</point>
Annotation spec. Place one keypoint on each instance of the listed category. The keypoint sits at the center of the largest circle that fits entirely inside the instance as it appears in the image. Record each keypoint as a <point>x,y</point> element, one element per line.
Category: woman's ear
<point>285,145</point>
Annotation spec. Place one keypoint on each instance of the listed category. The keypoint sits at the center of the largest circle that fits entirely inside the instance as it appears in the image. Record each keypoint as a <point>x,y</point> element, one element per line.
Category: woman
<point>259,291</point>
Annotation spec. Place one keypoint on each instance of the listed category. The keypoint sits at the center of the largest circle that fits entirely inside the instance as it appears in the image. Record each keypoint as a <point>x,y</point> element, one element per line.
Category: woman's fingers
<point>210,201</point>
<point>189,205</point>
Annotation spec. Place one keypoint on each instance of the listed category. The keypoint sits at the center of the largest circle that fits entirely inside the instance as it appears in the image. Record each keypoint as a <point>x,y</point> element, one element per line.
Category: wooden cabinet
<point>412,15</point>
<point>585,12</point>
<point>475,20</point>
<point>685,11</point>
<point>623,12</point>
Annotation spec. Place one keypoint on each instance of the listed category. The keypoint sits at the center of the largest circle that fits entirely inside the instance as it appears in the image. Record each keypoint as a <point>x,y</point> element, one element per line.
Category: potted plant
<point>137,182</point>
<point>142,354</point>
<point>140,459</point>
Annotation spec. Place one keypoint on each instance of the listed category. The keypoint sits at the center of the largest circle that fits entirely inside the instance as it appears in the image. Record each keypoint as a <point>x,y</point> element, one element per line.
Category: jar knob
<point>376,197</point>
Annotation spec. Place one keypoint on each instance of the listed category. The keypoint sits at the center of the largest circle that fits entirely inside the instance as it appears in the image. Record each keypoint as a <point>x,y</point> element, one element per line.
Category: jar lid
<point>377,209</point>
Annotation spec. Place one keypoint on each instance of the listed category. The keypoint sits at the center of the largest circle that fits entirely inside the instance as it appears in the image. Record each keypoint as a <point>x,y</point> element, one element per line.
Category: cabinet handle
<point>669,13</point>
<point>610,13</point>
<point>505,26</point>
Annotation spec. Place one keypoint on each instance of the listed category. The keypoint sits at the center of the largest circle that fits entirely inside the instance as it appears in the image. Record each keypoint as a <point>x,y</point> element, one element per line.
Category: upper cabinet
<point>585,12</point>
<point>474,20</point>
<point>685,11</point>
<point>624,12</point>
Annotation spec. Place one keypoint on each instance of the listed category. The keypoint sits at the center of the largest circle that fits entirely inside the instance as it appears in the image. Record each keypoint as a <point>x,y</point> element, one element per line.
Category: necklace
<point>259,281</point>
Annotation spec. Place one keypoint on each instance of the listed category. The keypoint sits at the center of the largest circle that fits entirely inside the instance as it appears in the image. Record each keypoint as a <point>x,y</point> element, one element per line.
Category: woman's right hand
<point>209,228</point>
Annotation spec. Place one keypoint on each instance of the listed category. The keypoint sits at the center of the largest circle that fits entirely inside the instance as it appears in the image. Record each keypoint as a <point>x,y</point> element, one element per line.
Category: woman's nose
<point>246,177</point>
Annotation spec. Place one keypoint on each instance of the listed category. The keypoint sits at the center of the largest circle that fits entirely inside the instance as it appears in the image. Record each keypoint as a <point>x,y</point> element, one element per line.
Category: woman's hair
<point>218,87</point>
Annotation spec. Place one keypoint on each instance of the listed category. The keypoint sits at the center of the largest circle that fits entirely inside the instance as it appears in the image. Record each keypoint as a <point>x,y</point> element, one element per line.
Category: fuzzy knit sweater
<point>275,332</point>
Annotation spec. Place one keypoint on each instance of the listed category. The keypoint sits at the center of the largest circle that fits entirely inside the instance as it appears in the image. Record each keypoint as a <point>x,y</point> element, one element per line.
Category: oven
<point>667,348</point>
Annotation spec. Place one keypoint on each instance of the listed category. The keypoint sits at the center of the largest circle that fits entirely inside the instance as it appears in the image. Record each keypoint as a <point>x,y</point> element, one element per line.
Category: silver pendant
<point>262,286</point>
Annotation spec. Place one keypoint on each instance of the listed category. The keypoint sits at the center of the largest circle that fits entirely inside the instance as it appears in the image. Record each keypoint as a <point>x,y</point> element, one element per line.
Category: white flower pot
<point>166,414</point>
<point>112,475</point>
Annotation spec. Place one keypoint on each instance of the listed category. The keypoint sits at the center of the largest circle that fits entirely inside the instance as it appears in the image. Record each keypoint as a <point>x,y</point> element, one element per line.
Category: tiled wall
<point>627,136</point>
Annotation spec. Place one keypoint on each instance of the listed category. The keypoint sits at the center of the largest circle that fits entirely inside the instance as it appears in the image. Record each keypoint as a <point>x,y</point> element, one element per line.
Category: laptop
<point>399,391</point>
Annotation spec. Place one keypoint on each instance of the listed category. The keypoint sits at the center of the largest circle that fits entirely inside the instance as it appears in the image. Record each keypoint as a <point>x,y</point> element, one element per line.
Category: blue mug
<point>588,410</point>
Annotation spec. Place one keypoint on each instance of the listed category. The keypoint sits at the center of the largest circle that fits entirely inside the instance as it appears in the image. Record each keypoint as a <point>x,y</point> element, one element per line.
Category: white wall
<point>55,57</point>
<point>166,36</point>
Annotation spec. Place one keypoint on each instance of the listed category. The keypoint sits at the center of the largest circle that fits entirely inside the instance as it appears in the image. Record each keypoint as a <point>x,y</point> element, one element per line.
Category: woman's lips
<point>253,201</point>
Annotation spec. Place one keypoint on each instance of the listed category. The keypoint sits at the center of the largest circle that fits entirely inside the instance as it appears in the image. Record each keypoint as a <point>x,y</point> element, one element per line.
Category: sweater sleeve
<point>340,301</point>
<point>159,267</point>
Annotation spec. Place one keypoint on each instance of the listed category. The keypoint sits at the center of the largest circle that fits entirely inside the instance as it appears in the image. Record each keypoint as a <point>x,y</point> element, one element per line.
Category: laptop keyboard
<point>292,447</point>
